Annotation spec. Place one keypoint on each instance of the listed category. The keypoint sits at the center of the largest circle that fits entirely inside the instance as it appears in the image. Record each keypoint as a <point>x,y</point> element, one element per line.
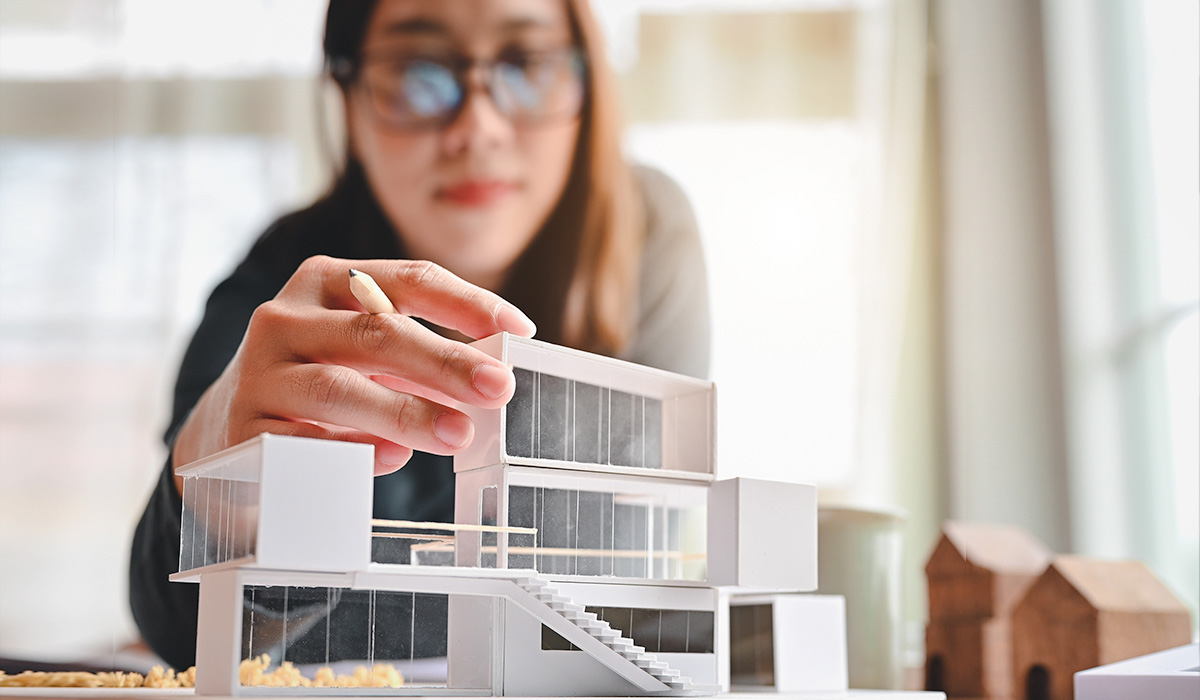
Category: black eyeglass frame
<point>348,73</point>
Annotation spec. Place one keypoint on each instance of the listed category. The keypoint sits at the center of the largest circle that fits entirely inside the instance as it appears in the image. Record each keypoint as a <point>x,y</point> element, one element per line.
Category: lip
<point>475,193</point>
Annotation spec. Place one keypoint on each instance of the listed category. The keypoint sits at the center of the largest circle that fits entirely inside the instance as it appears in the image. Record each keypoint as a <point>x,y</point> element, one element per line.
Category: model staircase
<point>575,613</point>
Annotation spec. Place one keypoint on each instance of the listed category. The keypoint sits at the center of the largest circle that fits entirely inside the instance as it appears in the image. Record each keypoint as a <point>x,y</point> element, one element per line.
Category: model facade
<point>593,551</point>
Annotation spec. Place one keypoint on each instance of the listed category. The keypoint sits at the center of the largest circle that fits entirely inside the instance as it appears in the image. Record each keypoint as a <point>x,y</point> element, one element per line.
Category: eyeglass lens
<point>527,88</point>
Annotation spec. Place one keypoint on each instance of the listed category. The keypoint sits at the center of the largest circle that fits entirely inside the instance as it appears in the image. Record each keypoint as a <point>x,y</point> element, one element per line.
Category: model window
<point>561,419</point>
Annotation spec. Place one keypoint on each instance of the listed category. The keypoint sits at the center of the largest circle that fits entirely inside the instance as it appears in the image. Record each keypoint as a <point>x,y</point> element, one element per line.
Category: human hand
<point>313,364</point>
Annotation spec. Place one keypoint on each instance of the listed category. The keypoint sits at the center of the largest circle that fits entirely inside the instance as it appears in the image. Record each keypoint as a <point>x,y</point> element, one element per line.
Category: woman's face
<point>471,193</point>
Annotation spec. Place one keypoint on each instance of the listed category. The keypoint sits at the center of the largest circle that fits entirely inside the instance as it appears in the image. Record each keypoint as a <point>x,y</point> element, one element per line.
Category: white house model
<point>593,550</point>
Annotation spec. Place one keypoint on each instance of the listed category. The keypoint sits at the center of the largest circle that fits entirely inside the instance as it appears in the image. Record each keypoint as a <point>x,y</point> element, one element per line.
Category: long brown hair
<point>578,278</point>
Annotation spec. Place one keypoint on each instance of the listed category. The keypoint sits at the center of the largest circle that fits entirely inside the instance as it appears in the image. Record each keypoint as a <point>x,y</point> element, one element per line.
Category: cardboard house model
<point>976,576</point>
<point>1082,613</point>
<point>593,550</point>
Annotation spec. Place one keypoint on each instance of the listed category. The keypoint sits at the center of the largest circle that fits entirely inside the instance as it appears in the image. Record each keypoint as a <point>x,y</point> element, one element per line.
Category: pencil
<point>368,293</point>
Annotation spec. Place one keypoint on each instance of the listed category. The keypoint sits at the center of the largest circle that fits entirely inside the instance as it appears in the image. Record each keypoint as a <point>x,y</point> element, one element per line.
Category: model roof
<point>1003,549</point>
<point>1117,586</point>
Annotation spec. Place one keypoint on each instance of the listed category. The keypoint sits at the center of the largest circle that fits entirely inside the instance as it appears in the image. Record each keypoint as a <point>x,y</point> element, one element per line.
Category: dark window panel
<point>620,426</point>
<point>553,641</point>
<point>700,632</point>
<point>586,433</point>
<point>752,654</point>
<point>647,628</point>
<point>653,434</point>
<point>673,632</point>
<point>553,412</point>
<point>519,415</point>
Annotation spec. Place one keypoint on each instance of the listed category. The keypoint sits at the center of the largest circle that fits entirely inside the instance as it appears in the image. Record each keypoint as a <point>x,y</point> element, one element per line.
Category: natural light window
<point>780,222</point>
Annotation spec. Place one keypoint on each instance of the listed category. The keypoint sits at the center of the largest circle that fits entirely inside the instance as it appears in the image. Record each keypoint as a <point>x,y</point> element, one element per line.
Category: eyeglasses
<point>428,92</point>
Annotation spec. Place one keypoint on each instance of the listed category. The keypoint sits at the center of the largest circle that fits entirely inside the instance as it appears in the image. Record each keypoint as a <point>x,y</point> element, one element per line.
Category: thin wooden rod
<point>414,536</point>
<point>568,551</point>
<point>453,527</point>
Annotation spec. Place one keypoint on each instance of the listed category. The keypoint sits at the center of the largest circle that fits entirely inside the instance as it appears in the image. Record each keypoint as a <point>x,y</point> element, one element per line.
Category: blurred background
<point>953,249</point>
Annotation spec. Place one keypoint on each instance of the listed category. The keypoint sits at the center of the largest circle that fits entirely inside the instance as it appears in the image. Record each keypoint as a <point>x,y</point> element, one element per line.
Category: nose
<point>479,124</point>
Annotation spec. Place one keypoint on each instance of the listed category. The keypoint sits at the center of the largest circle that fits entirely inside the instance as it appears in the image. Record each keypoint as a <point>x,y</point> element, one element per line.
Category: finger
<point>399,346</point>
<point>342,396</point>
<point>389,456</point>
<point>427,290</point>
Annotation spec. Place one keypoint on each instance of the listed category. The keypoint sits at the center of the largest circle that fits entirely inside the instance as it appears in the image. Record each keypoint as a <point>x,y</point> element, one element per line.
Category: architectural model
<point>594,551</point>
<point>976,575</point>
<point>1109,610</point>
<point>1008,619</point>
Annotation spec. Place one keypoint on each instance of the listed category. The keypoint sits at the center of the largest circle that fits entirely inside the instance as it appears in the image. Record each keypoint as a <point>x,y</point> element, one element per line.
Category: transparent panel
<point>522,512</point>
<point>488,512</point>
<point>218,522</point>
<point>554,540</point>
<point>341,638</point>
<point>592,509</point>
<point>589,532</point>
<point>404,542</point>
<point>187,525</point>
<point>631,543</point>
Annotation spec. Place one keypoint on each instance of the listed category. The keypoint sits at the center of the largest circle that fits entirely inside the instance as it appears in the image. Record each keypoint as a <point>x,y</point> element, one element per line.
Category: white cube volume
<point>279,502</point>
<point>762,535</point>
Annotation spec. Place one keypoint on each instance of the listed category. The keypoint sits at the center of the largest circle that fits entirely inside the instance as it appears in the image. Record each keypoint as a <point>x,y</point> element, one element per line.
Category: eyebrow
<point>415,25</point>
<point>427,26</point>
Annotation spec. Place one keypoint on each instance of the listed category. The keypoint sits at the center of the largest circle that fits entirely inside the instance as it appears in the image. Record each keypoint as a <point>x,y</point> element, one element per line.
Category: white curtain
<point>142,149</point>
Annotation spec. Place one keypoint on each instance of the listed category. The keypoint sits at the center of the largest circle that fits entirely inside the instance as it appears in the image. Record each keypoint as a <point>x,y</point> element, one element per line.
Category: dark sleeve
<point>673,329</point>
<point>165,612</point>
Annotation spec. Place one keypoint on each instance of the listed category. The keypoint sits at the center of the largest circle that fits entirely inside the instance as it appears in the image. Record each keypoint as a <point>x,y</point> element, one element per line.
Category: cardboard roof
<point>1117,586</point>
<point>1002,549</point>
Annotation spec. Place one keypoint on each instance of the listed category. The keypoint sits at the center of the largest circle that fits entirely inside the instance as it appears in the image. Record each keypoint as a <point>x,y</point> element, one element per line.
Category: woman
<point>485,191</point>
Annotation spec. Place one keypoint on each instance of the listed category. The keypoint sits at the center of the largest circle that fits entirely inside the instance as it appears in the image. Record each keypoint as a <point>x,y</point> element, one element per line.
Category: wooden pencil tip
<point>353,272</point>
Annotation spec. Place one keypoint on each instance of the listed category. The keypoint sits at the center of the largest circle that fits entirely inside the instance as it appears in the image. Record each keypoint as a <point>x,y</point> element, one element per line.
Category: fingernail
<point>454,429</point>
<point>392,455</point>
<point>492,381</point>
<point>510,319</point>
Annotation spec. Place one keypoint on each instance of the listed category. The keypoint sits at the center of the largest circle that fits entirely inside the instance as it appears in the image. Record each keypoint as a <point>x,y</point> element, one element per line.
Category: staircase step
<point>590,626</point>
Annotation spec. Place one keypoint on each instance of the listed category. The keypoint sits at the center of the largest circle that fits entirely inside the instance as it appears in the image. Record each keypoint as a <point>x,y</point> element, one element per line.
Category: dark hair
<point>578,278</point>
<point>345,26</point>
